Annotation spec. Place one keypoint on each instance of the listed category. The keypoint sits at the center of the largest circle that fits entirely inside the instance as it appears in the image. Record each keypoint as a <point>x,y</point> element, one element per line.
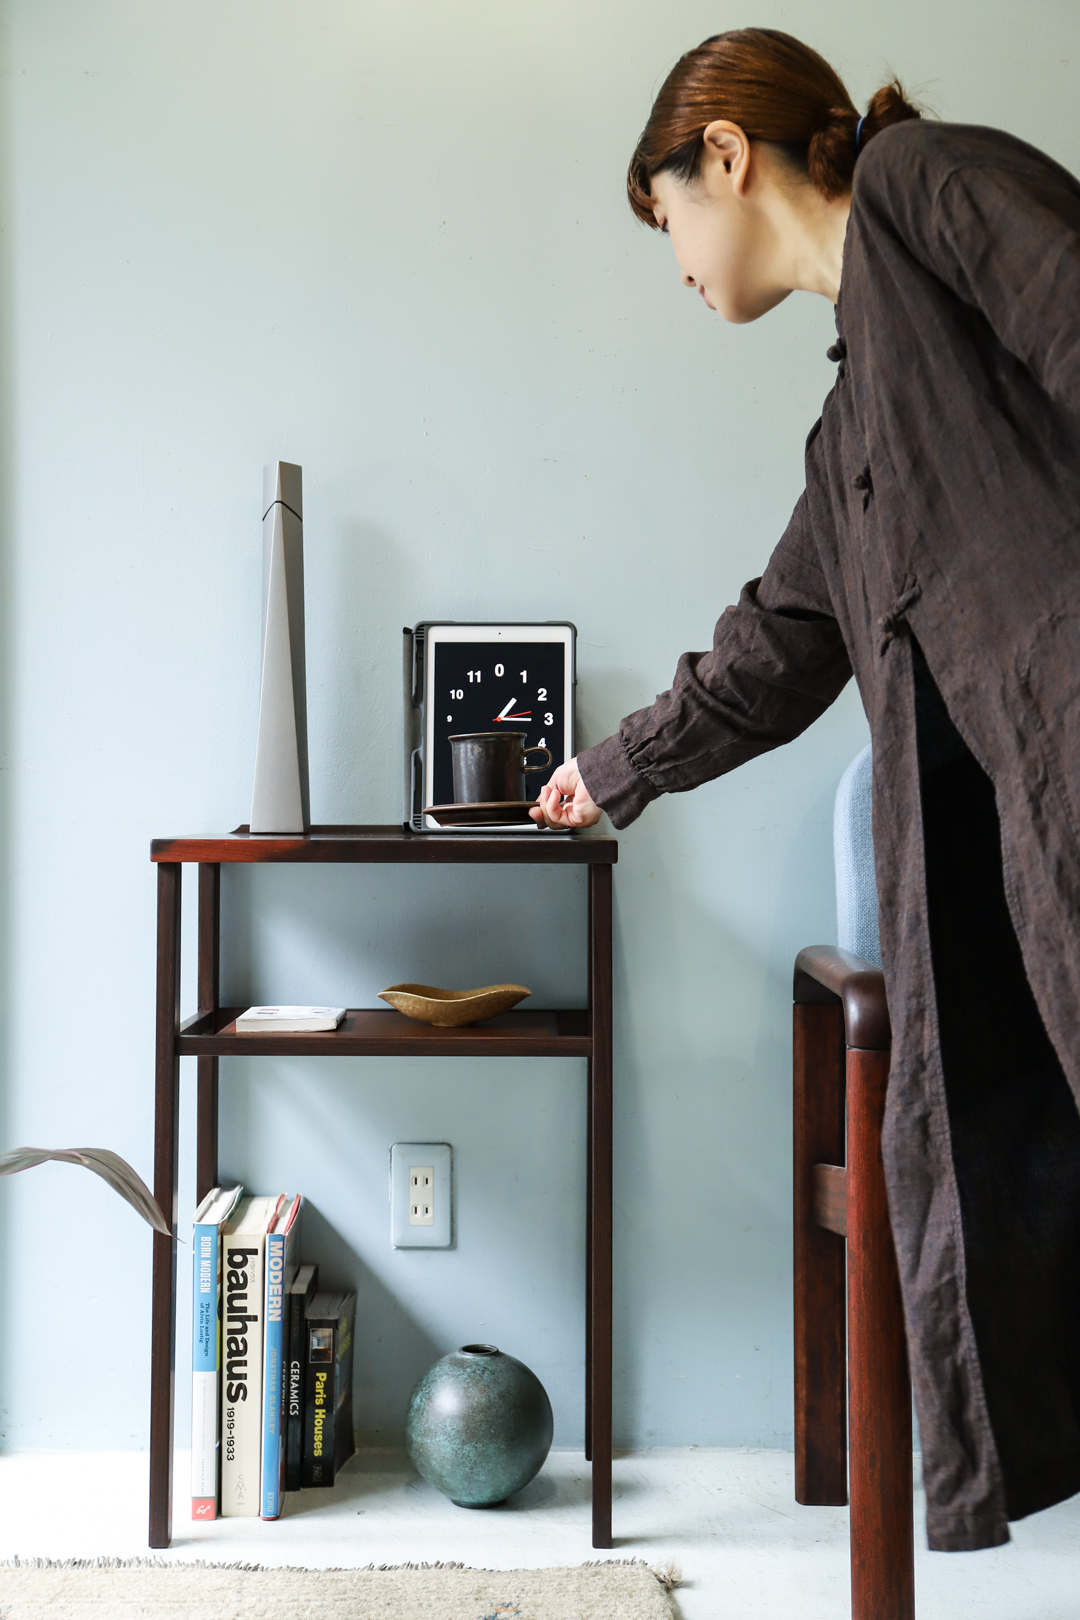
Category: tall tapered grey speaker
<point>279,802</point>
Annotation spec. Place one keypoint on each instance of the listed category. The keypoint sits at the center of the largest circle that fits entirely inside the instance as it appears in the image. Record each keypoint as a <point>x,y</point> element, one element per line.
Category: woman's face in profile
<point>723,232</point>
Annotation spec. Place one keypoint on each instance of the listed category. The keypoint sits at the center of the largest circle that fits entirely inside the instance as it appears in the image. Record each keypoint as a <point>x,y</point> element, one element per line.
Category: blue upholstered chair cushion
<point>853,850</point>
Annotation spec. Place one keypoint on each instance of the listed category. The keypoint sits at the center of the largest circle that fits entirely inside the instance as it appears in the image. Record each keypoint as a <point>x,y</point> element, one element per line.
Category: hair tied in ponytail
<point>777,90</point>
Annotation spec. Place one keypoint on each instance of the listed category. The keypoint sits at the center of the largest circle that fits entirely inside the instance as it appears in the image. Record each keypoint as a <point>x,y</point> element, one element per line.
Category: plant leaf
<point>109,1166</point>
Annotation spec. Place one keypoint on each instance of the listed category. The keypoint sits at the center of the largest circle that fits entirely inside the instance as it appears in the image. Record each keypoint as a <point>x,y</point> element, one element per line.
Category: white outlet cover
<point>404,1156</point>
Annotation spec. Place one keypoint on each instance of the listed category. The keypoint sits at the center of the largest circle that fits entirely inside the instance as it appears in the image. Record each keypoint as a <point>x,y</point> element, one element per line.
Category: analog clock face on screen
<point>484,686</point>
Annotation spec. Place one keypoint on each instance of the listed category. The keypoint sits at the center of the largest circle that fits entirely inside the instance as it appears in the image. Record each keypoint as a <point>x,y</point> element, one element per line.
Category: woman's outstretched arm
<point>777,661</point>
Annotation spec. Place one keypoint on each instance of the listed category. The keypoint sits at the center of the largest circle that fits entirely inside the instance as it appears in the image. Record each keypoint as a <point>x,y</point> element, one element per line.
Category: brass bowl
<point>451,1008</point>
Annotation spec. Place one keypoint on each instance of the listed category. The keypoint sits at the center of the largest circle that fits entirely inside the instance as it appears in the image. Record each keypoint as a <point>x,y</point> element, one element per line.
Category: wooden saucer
<point>511,812</point>
<point>450,1009</point>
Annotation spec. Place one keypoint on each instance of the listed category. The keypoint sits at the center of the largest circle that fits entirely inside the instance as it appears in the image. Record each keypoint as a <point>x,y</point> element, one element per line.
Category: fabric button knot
<point>837,350</point>
<point>891,623</point>
<point>864,482</point>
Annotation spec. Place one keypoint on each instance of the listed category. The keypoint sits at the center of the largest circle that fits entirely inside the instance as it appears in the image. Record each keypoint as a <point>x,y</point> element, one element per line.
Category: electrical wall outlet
<point>420,1195</point>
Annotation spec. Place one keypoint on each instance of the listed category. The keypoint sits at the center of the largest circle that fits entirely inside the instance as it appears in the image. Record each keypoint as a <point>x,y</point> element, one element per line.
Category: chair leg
<point>882,1530</point>
<point>820,1343</point>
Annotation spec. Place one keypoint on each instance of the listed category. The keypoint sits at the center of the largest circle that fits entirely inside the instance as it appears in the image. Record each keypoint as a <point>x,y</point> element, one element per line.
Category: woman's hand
<point>565,801</point>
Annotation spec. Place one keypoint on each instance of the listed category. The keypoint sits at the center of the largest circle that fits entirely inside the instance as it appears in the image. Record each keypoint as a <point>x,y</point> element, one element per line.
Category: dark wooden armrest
<point>824,973</point>
<point>830,1197</point>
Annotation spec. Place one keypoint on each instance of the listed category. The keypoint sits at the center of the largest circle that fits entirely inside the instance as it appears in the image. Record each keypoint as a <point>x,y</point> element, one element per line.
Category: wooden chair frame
<point>852,1386</point>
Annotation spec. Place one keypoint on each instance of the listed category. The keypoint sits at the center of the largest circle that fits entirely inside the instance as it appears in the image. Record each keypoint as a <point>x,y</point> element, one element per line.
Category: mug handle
<point>528,769</point>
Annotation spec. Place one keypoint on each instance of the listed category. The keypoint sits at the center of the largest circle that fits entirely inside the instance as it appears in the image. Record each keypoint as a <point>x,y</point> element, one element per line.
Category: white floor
<point>727,1518</point>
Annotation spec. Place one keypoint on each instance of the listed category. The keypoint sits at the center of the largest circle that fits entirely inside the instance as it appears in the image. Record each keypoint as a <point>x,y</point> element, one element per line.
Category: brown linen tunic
<point>934,553</point>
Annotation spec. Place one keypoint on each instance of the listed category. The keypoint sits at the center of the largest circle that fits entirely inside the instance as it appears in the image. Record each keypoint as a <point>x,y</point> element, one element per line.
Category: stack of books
<point>271,1360</point>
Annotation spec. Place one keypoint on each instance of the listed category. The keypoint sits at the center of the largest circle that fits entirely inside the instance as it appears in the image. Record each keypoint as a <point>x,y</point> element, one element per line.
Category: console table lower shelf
<point>380,1032</point>
<point>374,1032</point>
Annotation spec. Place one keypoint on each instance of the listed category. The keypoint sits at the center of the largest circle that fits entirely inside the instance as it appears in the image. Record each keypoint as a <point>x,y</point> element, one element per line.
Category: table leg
<point>166,1124</point>
<point>819,1063</point>
<point>600,1201</point>
<point>588,1207</point>
<point>879,1418</point>
<point>206,1165</point>
<point>588,1267</point>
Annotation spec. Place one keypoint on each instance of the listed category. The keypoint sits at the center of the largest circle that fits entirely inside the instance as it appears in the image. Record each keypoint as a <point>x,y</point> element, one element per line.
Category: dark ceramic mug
<point>490,768</point>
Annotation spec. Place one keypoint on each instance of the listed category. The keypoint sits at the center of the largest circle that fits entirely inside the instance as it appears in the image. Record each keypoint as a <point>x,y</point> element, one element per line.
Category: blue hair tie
<point>858,134</point>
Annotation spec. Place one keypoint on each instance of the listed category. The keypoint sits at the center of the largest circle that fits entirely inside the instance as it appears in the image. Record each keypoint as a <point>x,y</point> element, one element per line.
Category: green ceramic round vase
<point>479,1425</point>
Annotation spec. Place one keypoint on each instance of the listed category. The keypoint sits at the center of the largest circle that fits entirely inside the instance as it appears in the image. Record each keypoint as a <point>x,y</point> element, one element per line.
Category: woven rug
<point>139,1589</point>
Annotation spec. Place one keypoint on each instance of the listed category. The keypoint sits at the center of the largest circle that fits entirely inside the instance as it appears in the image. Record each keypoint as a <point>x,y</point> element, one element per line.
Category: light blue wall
<point>390,242</point>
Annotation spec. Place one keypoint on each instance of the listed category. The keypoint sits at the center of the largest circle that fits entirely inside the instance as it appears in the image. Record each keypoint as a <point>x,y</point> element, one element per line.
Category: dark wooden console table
<point>211,1034</point>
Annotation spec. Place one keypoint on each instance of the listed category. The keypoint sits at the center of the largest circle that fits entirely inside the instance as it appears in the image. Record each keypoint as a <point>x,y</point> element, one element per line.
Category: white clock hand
<point>504,711</point>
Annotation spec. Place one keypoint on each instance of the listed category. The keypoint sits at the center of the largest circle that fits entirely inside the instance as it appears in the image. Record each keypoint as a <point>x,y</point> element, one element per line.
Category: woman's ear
<point>727,153</point>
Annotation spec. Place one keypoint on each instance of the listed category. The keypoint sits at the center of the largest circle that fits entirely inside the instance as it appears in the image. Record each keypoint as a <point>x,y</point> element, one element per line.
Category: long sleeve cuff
<point>613,783</point>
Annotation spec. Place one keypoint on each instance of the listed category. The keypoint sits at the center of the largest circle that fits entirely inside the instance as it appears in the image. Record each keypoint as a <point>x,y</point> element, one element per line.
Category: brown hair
<point>776,89</point>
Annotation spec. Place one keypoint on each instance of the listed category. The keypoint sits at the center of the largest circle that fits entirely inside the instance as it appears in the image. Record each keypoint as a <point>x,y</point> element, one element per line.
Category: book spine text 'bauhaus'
<point>241,1327</point>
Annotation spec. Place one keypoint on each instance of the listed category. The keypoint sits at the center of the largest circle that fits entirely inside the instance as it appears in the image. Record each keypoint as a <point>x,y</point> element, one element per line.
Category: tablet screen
<point>489,685</point>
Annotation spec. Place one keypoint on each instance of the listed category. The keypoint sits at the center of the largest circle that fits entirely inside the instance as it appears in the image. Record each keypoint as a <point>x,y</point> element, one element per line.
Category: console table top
<point>393,843</point>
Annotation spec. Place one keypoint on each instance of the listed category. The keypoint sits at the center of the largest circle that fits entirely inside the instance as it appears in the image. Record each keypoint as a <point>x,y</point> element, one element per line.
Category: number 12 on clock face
<point>485,687</point>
